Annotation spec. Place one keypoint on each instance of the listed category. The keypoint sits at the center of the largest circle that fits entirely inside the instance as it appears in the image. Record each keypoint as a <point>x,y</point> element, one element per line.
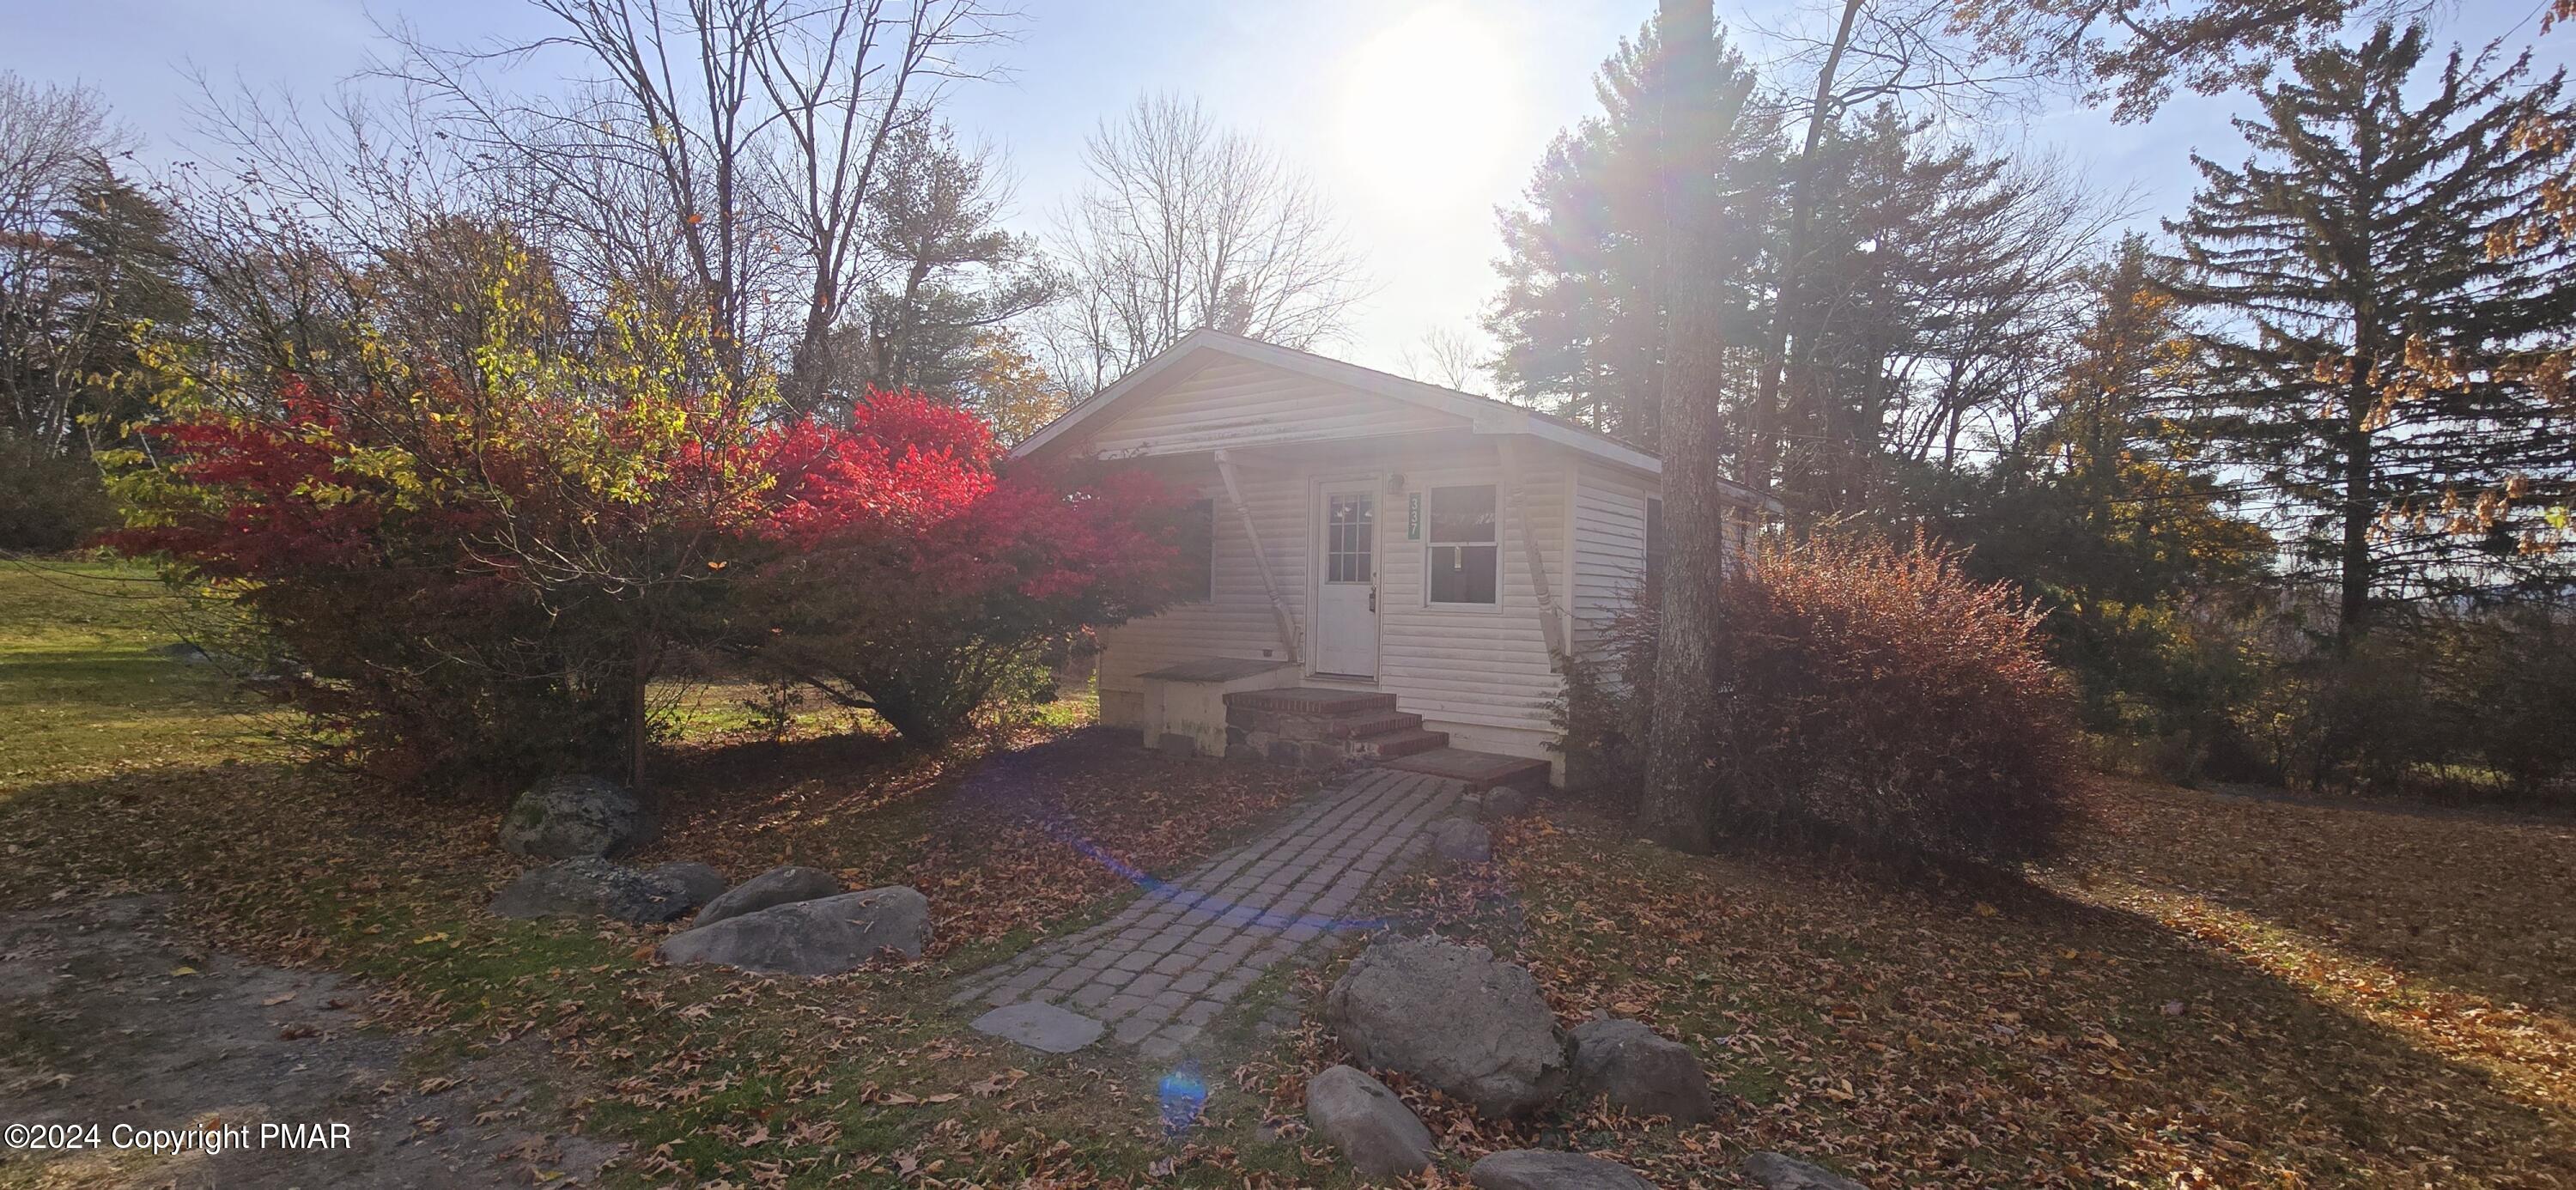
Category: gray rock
<point>1640,1072</point>
<point>777,886</point>
<point>1505,802</point>
<point>571,817</point>
<point>1779,1172</point>
<point>1458,841</point>
<point>1541,1169</point>
<point>1456,1019</point>
<point>591,887</point>
<point>1040,1026</point>
<point>699,882</point>
<point>1374,1129</point>
<point>820,937</point>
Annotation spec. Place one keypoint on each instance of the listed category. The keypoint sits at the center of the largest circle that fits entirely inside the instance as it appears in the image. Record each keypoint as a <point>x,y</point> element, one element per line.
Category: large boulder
<point>777,886</point>
<point>1542,1169</point>
<point>1455,1018</point>
<point>1640,1072</point>
<point>591,887</point>
<point>1459,841</point>
<point>1374,1129</point>
<point>574,816</point>
<point>821,937</point>
<point>1774,1171</point>
<point>1504,802</point>
<point>697,881</point>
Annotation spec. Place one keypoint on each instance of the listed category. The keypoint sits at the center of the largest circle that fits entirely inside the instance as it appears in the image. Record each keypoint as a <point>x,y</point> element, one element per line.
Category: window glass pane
<point>1463,573</point>
<point>1349,538</point>
<point>1462,514</point>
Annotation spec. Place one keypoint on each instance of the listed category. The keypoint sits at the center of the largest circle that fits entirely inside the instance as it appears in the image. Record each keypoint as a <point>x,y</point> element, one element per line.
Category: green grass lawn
<point>86,684</point>
<point>123,769</point>
<point>2209,991</point>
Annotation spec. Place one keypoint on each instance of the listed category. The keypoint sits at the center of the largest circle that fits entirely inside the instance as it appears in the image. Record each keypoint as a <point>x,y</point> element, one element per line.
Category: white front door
<point>1346,598</point>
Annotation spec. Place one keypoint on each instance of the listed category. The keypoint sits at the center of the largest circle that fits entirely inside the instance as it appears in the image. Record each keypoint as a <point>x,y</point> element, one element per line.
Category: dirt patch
<point>108,1018</point>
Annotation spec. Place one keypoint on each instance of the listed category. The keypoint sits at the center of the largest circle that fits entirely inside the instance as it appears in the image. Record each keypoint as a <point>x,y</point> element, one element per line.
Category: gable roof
<point>1484,414</point>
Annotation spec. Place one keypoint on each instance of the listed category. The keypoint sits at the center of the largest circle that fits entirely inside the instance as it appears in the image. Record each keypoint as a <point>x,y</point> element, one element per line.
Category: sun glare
<point>1428,104</point>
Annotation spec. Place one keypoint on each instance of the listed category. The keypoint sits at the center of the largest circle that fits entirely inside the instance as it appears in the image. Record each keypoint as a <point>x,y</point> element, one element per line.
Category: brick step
<point>1358,727</point>
<point>1480,770</point>
<point>1320,727</point>
<point>1406,742</point>
<point>1312,700</point>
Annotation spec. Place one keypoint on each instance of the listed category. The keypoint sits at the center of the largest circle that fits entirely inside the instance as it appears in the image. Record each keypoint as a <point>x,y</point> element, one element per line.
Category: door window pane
<point>1350,537</point>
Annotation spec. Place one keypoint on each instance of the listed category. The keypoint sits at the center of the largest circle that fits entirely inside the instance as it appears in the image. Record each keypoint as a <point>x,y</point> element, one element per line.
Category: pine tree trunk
<point>1762,453</point>
<point>1675,807</point>
<point>2353,612</point>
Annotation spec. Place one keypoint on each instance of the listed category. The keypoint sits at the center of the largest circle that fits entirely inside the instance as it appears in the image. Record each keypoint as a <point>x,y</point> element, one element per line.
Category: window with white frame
<point>1465,556</point>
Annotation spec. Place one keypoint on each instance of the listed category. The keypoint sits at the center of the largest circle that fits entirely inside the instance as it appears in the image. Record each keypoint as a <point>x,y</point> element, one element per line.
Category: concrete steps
<point>1322,727</point>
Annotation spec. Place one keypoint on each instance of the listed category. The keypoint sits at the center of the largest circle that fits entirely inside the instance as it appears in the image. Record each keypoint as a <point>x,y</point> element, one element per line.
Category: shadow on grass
<point>2475,902</point>
<point>2006,1032</point>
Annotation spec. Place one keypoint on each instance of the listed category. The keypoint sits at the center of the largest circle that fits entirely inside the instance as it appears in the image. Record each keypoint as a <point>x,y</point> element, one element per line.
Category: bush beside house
<point>1872,694</point>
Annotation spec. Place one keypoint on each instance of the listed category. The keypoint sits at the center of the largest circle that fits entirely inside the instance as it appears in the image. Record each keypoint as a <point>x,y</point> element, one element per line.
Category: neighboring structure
<point>1392,568</point>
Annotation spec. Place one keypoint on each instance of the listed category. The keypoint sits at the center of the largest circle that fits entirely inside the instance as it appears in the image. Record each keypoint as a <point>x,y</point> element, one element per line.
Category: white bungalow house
<point>1393,569</point>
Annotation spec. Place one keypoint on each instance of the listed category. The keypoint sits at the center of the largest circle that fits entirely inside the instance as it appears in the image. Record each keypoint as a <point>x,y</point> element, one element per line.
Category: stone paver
<point>1040,1027</point>
<point>1170,963</point>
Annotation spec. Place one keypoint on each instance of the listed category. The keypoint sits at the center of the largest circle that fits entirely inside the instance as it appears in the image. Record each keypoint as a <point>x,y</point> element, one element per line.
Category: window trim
<point>1429,544</point>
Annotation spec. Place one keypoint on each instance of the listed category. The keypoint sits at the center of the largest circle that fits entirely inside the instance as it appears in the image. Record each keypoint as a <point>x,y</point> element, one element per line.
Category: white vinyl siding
<point>1236,621</point>
<point>1609,549</point>
<point>1236,403</point>
<point>1482,674</point>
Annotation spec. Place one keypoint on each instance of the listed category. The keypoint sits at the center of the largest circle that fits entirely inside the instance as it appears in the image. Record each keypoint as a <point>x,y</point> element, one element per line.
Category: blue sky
<point>1416,117</point>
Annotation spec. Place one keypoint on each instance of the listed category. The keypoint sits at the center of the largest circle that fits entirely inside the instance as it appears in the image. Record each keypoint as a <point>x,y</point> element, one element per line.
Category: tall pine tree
<point>2348,257</point>
<point>1581,314</point>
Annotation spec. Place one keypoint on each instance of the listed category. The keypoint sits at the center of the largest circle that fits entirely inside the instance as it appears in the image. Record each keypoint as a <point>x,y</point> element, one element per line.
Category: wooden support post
<point>1260,559</point>
<point>1551,620</point>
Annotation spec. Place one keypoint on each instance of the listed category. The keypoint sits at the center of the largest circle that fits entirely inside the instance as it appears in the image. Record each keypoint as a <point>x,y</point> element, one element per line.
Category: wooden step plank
<point>1407,742</point>
<point>1480,770</point>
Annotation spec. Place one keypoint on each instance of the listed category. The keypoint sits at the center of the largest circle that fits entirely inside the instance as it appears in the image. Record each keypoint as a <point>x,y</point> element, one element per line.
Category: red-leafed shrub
<point>472,582</point>
<point>1872,694</point>
<point>914,581</point>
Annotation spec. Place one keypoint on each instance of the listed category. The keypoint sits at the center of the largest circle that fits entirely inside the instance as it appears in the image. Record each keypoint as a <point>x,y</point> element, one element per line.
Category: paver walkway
<point>1165,966</point>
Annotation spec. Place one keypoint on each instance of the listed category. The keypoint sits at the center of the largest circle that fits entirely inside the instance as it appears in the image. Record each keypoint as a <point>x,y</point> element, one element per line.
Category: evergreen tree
<point>2345,256</point>
<point>2112,512</point>
<point>1580,317</point>
<point>949,274</point>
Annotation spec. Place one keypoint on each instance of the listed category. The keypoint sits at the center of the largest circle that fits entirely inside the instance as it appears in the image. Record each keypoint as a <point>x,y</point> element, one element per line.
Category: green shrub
<point>49,502</point>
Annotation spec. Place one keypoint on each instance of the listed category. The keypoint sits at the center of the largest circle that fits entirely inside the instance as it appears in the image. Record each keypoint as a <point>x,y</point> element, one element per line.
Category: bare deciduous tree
<point>723,150</point>
<point>54,146</point>
<point>1448,357</point>
<point>1187,225</point>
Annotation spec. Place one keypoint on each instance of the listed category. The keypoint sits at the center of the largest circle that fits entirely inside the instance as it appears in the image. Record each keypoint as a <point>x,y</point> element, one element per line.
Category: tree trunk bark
<point>2352,619</point>
<point>1675,806</point>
